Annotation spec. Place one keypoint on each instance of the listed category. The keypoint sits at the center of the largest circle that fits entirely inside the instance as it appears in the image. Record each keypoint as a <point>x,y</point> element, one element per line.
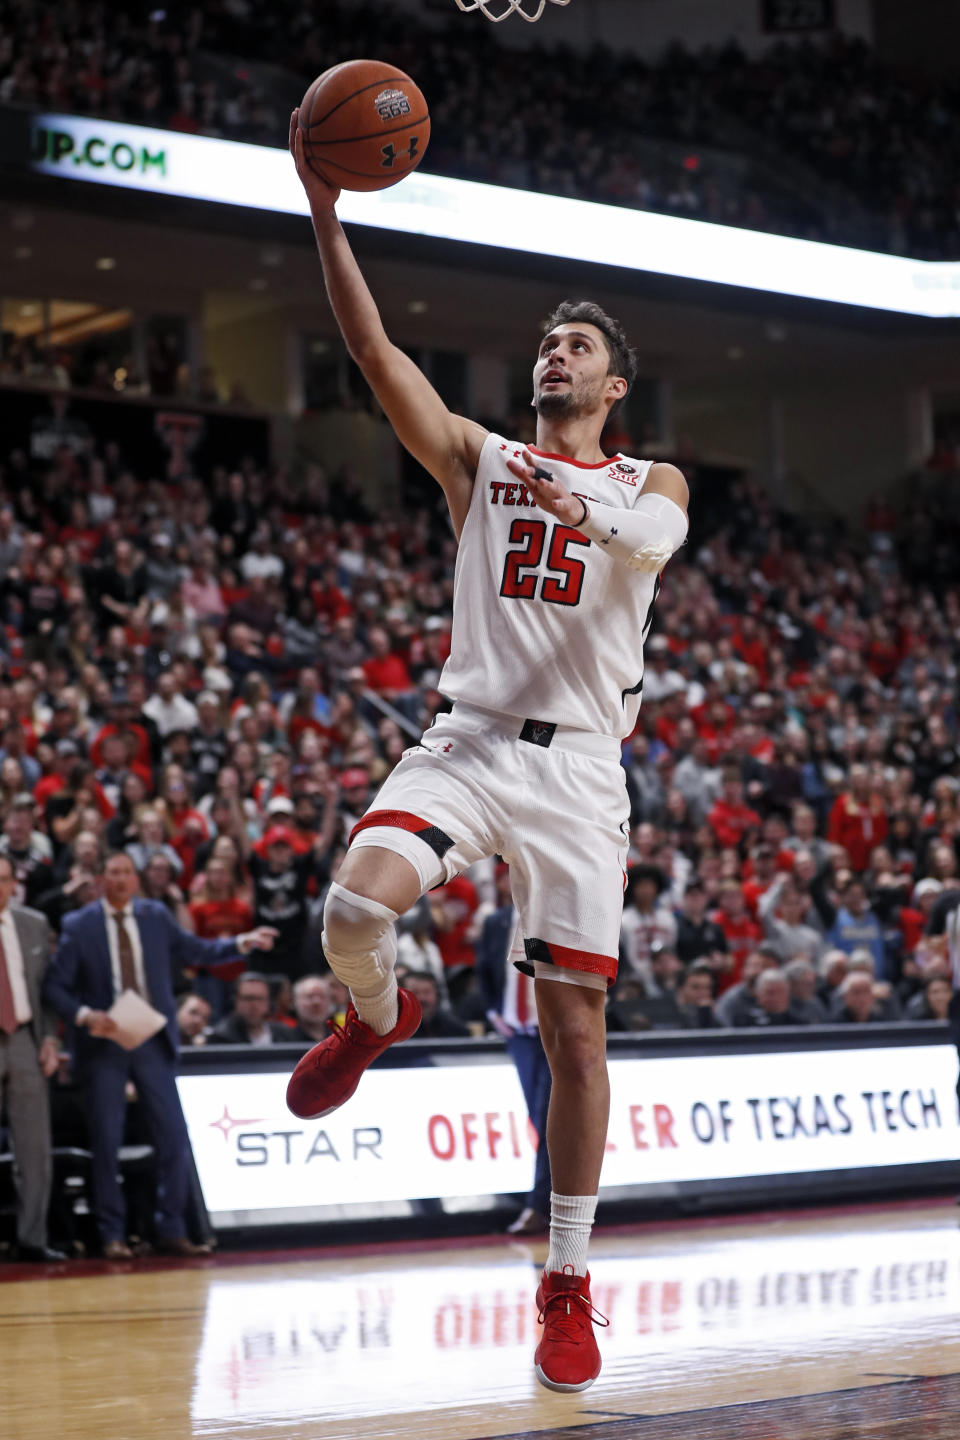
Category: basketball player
<point>556,579</point>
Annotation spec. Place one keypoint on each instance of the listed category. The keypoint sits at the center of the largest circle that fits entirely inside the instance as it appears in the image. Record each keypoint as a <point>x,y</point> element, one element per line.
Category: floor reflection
<point>696,1319</point>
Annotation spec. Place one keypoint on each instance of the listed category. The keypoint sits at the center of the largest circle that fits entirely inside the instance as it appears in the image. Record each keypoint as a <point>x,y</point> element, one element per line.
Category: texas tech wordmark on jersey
<point>545,625</point>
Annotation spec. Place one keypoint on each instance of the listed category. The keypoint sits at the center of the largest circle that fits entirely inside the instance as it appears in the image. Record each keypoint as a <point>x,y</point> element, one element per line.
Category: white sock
<point>380,1009</point>
<point>571,1220</point>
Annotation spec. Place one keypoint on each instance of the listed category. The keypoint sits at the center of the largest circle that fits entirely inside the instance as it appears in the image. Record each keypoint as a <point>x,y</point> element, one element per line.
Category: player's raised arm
<point>447,445</point>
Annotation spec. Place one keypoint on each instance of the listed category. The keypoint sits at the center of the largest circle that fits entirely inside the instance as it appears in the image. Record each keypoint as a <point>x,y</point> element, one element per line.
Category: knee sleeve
<point>359,940</point>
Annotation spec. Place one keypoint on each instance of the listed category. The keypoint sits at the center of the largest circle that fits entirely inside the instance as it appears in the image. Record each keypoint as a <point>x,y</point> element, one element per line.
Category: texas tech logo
<point>391,104</point>
<point>626,473</point>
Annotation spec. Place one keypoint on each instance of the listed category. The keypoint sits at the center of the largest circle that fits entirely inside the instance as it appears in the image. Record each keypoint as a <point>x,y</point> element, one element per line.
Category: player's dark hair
<point>622,356</point>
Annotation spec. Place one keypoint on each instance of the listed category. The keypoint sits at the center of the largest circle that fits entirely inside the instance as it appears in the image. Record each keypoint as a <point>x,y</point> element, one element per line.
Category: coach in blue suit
<point>510,1007</point>
<point>117,944</point>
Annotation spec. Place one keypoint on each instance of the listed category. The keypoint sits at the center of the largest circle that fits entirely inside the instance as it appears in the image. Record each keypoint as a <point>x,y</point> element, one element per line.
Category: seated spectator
<point>856,1002</point>
<point>29,850</point>
<point>834,965</point>
<point>628,1006</point>
<point>732,821</point>
<point>854,925</point>
<point>437,1023</point>
<point>158,881</point>
<point>193,1019</point>
<point>647,920</point>
<point>804,1001</point>
<point>418,951</point>
<point>858,819</point>
<point>698,937</point>
<point>71,791</point>
<point>249,1022</point>
<point>772,997</point>
<point>151,831</point>
<point>736,1006</point>
<point>312,1008</point>
<point>933,1002</point>
<point>884,995</point>
<point>452,908</point>
<point>695,999</point>
<point>740,930</point>
<point>666,974</point>
<point>169,709</point>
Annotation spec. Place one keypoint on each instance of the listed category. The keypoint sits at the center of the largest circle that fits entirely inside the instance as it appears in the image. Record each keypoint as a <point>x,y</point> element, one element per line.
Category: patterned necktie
<point>8,1012</point>
<point>128,971</point>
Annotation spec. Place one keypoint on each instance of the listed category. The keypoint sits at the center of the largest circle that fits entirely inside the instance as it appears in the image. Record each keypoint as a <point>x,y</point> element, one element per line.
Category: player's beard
<point>557,405</point>
<point>573,402</point>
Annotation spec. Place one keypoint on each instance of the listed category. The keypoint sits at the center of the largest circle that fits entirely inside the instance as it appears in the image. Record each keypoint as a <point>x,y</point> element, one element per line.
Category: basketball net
<point>497,10</point>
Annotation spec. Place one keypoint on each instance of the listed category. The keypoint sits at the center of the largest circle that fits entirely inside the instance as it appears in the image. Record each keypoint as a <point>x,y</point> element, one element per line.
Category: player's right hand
<point>321,195</point>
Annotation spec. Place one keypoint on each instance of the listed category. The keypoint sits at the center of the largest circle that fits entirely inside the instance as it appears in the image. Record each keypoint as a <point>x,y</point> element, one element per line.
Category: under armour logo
<point>447,749</point>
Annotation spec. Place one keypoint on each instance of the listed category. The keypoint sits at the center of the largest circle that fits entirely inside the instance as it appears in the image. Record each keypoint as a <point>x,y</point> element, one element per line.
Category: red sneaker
<point>328,1074</point>
<point>567,1357</point>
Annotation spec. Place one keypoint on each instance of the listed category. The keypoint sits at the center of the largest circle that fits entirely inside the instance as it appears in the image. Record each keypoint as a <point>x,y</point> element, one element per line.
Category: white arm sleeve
<point>643,538</point>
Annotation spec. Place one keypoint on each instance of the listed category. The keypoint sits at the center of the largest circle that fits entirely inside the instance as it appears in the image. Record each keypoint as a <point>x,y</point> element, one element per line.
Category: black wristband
<point>586,512</point>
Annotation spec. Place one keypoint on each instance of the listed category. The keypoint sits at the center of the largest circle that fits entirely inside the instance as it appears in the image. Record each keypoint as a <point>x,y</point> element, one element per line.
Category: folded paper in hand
<point>135,1020</point>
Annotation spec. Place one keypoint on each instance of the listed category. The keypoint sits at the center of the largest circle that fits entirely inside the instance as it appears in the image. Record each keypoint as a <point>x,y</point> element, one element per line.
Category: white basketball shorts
<point>551,800</point>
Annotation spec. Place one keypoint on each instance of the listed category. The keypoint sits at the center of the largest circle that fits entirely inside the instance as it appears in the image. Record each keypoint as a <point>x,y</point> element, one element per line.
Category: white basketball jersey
<point>545,625</point>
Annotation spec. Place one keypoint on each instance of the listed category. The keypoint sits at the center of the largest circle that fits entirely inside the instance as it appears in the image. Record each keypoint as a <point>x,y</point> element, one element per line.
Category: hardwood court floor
<point>818,1327</point>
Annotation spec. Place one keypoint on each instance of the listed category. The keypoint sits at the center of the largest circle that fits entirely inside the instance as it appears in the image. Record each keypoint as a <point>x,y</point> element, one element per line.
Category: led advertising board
<point>460,1130</point>
<point>163,162</point>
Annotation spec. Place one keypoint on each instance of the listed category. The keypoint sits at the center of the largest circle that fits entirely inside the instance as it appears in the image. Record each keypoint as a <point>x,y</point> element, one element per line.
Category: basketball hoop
<point>509,7</point>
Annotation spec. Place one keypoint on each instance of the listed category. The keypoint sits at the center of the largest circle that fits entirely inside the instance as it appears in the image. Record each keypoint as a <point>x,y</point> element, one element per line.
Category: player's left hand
<point>550,494</point>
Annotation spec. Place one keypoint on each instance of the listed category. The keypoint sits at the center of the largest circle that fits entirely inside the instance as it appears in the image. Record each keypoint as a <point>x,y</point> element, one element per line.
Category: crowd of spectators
<point>725,126</point>
<point>215,675</point>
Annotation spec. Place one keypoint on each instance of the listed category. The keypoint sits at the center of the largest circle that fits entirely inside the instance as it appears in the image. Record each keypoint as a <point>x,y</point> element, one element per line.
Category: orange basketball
<point>365,125</point>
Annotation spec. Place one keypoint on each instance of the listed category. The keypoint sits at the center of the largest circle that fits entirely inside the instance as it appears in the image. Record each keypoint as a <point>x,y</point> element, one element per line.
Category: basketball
<point>365,125</point>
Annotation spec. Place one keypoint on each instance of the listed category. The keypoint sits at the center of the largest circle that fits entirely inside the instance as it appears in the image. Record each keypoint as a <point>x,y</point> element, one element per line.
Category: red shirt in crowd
<point>142,756</point>
<point>858,828</point>
<point>731,822</point>
<point>387,673</point>
<point>52,785</point>
<point>912,925</point>
<point>743,934</point>
<point>85,541</point>
<point>219,920</point>
<point>460,900</point>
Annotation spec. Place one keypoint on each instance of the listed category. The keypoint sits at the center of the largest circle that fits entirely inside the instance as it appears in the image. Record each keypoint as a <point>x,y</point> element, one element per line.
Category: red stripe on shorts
<point>583,960</point>
<point>401,819</point>
<point>566,958</point>
<point>438,840</point>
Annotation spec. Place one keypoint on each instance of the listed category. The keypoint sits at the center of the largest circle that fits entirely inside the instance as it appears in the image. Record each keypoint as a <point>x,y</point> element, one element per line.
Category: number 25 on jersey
<point>562,586</point>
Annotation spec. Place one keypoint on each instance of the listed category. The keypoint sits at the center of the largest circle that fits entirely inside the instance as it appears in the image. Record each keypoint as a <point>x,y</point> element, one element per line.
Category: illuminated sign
<point>230,173</point>
<point>461,1130</point>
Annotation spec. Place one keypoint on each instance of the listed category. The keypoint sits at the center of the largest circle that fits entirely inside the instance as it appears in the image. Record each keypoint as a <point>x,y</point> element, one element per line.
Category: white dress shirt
<point>133,930</point>
<point>16,970</point>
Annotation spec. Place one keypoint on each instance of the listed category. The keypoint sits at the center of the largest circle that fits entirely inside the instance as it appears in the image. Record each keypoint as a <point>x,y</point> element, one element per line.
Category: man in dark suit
<point>114,945</point>
<point>511,1010</point>
<point>28,1057</point>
